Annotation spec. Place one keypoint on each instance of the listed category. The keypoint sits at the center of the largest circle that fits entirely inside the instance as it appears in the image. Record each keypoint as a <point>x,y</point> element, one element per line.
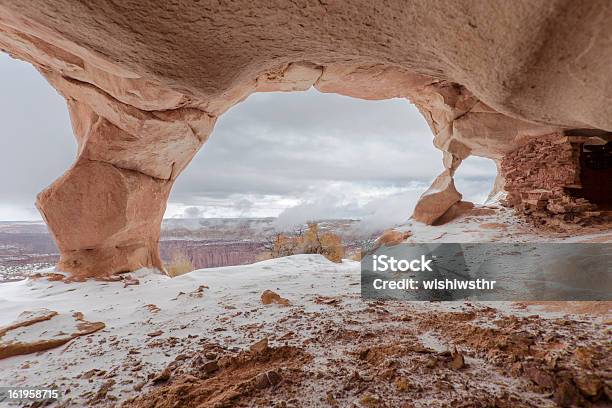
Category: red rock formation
<point>441,196</point>
<point>146,81</point>
<point>211,255</point>
<point>543,182</point>
<point>42,329</point>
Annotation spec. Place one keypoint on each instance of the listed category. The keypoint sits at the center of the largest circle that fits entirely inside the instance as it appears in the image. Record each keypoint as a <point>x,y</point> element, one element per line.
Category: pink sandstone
<point>146,81</point>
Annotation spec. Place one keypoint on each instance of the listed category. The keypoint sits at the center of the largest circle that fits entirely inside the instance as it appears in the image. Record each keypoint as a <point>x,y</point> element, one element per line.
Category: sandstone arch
<point>145,82</point>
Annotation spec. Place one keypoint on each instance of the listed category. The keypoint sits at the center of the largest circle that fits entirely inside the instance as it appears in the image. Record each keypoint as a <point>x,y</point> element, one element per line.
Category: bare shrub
<point>180,264</point>
<point>309,241</point>
<point>284,245</point>
<point>354,255</point>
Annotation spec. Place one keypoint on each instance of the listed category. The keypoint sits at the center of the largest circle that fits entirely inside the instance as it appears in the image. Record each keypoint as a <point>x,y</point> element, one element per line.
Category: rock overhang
<point>146,82</point>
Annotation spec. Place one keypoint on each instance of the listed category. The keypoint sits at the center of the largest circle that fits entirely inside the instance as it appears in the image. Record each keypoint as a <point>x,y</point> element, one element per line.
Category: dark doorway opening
<point>596,174</point>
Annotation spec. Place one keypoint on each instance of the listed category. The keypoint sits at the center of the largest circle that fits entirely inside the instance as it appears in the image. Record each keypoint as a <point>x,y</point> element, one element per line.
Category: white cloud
<point>475,178</point>
<point>378,207</point>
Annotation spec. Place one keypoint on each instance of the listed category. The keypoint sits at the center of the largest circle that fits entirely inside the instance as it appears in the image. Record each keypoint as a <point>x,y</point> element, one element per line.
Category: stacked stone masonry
<point>542,182</point>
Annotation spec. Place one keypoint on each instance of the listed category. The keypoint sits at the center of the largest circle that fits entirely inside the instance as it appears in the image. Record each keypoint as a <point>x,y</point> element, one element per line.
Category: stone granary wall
<point>146,81</point>
<point>543,182</point>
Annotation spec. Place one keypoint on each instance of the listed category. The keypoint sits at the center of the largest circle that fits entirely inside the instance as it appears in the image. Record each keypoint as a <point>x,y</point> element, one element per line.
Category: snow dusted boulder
<point>42,329</point>
<point>437,199</point>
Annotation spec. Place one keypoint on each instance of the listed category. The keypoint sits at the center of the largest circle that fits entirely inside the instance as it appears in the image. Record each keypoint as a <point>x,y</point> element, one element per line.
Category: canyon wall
<point>212,255</point>
<point>146,81</point>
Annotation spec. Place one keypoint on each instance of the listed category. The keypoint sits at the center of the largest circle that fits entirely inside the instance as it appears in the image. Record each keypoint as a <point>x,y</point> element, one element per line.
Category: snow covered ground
<point>189,337</point>
<point>204,304</point>
<point>150,324</point>
<point>495,223</point>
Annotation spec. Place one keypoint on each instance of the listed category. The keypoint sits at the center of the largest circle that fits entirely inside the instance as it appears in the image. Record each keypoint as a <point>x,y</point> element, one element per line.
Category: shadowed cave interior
<point>596,174</point>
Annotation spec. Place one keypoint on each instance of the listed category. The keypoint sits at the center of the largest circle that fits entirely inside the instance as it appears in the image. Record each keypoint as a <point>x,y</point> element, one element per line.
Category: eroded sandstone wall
<point>543,183</point>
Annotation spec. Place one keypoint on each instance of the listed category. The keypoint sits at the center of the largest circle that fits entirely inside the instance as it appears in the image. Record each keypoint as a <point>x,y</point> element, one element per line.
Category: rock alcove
<point>595,170</point>
<point>145,83</point>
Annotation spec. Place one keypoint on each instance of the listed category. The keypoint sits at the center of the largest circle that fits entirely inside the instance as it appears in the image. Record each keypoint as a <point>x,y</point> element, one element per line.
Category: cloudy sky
<point>299,156</point>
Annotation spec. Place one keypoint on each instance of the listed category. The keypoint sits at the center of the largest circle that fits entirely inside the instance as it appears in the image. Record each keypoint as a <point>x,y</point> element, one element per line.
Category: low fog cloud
<point>377,207</point>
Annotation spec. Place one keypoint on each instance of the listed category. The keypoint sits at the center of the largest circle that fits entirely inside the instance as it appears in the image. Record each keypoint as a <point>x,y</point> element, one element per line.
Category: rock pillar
<point>105,212</point>
<point>105,219</point>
